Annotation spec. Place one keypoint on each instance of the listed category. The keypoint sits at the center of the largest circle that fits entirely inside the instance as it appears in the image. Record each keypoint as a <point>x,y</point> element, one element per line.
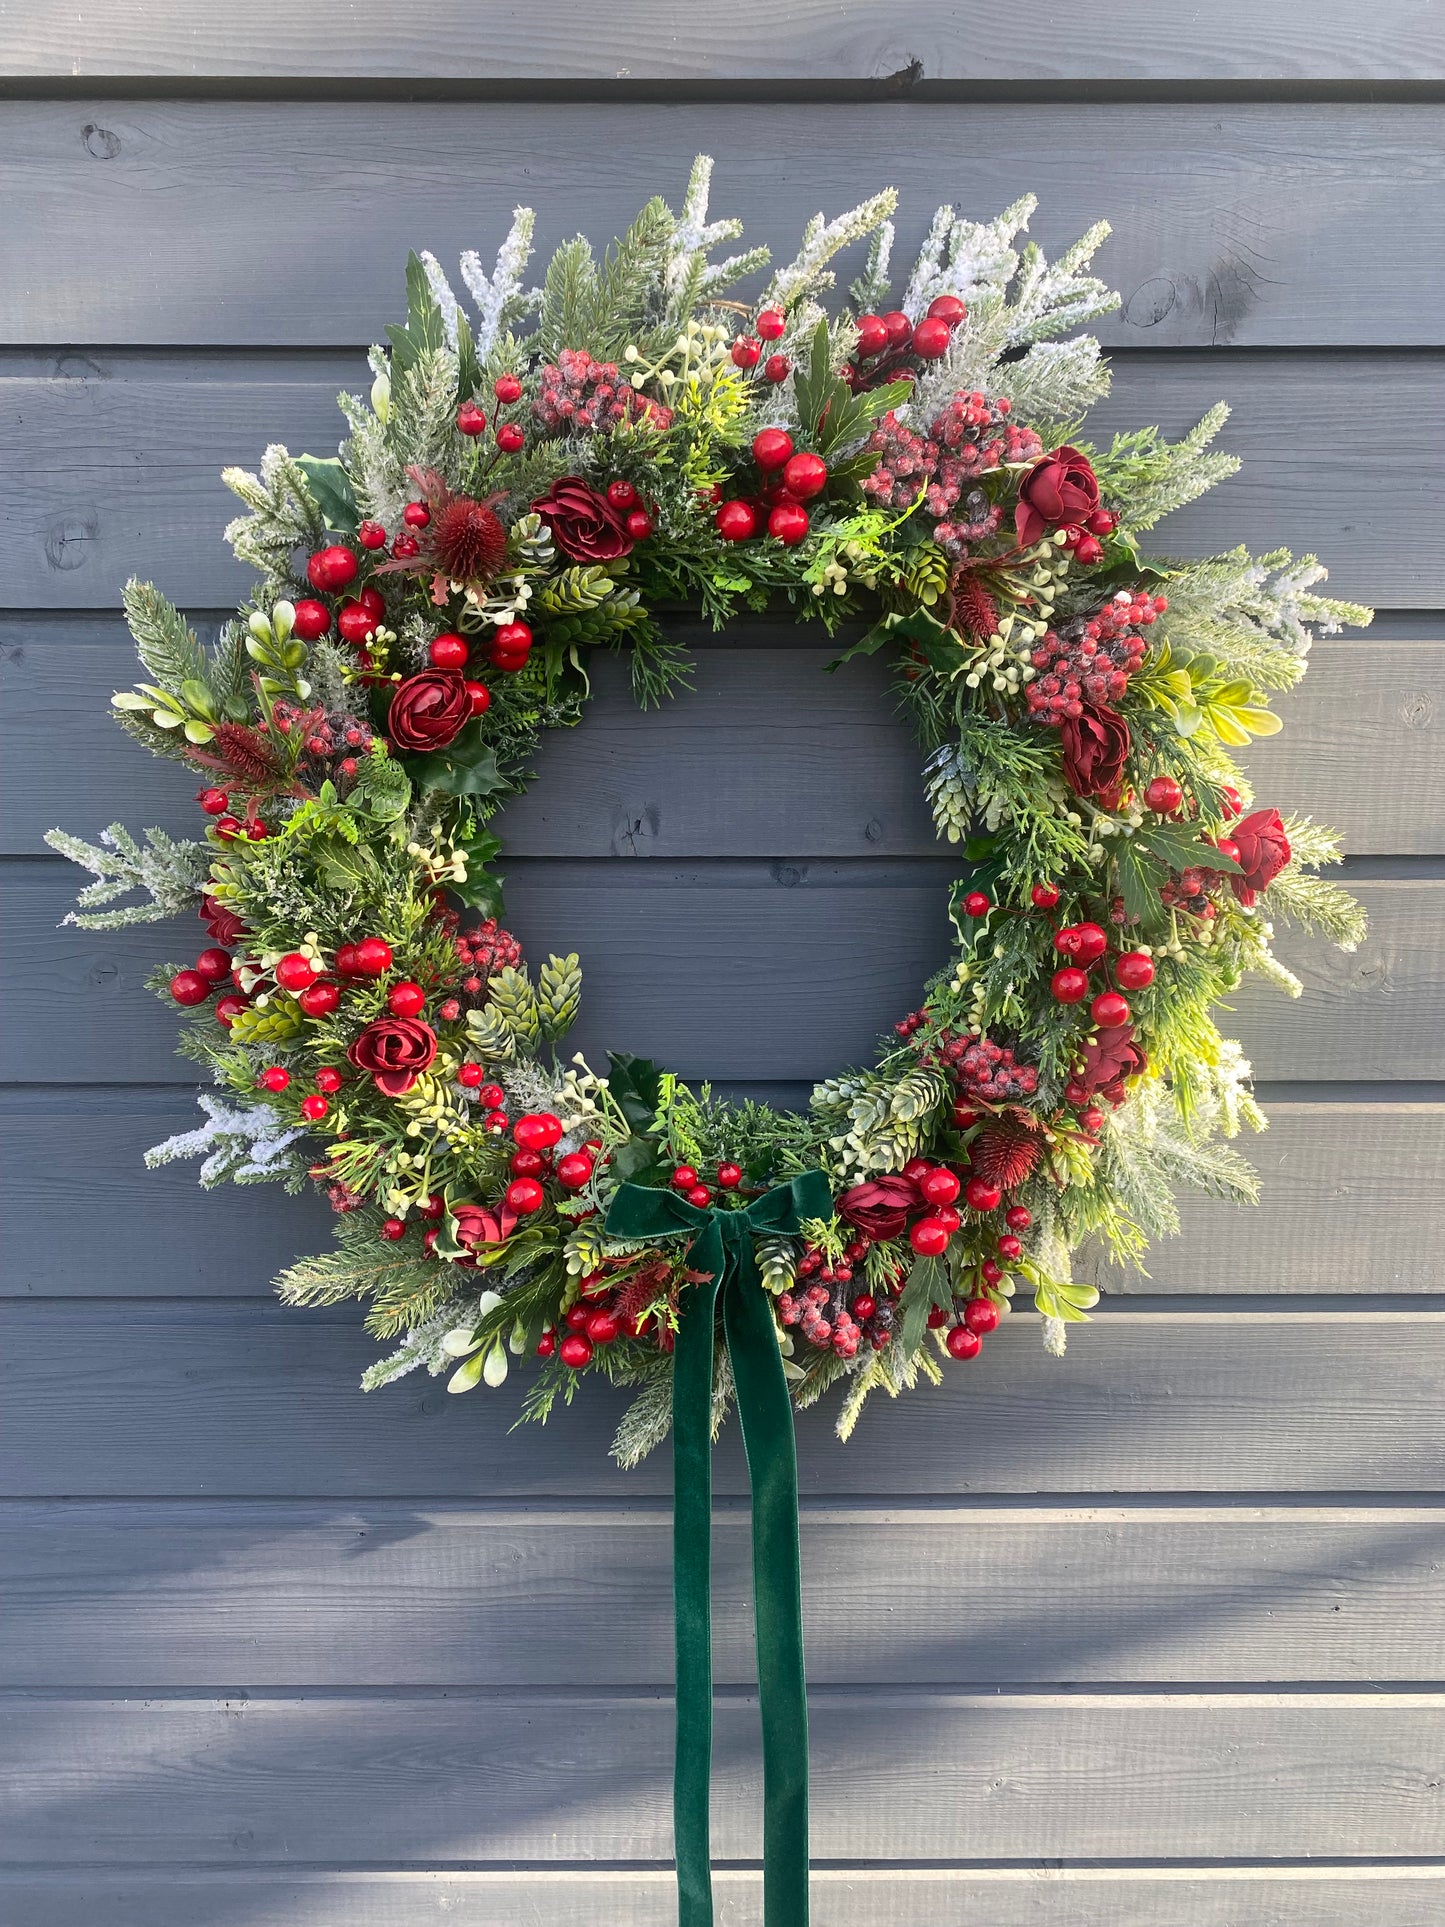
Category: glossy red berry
<point>405,547</point>
<point>1018,1217</point>
<point>977,904</point>
<point>510,438</point>
<point>190,987</point>
<point>684,1178</point>
<point>574,1170</point>
<point>931,338</point>
<point>788,523</point>
<point>373,957</point>
<point>526,1164</point>
<point>448,650</point>
<point>329,1079</point>
<point>546,1344</point>
<point>1069,985</point>
<point>214,965</point>
<point>355,623</point>
<point>777,368</point>
<point>937,1318</point>
<point>736,521</point>
<point>947,307</point>
<point>214,802</point>
<point>745,351</point>
<point>507,389</point>
<point>294,972</point>
<point>1090,943</point>
<point>312,619</point>
<point>406,999</point>
<point>872,335</point>
<point>1092,1119</point>
<point>771,323</point>
<point>729,1176</point>
<point>981,1315</point>
<point>496,1121</point>
<point>805,476</point>
<point>228,828</point>
<point>639,525</point>
<point>525,1195</point>
<point>576,1351</point>
<point>321,998</point>
<point>537,1130</point>
<point>416,515</point>
<point>274,1078</point>
<point>471,420</point>
<point>1163,795</point>
<point>900,328</point>
<point>939,1186</point>
<point>1227,846</point>
<point>772,448</point>
<point>492,1096</point>
<point>992,1273</point>
<point>929,1238</point>
<point>1134,971</point>
<point>512,638</point>
<point>330,569</point>
<point>1010,1247</point>
<point>982,1194</point>
<point>622,495</point>
<point>1043,896</point>
<point>1088,551</point>
<point>603,1327</point>
<point>392,1229</point>
<point>229,1008</point>
<point>480,698</point>
<point>963,1343</point>
<point>314,1107</point>
<point>700,1196</point>
<point>371,535</point>
<point>469,1076</point>
<point>1109,1010</point>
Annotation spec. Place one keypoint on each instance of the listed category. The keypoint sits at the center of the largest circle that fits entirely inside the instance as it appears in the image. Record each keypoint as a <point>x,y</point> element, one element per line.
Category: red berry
<point>622,495</point>
<point>346,960</point>
<point>777,368</point>
<point>507,389</point>
<point>190,987</point>
<point>229,1008</point>
<point>1070,986</point>
<point>321,998</point>
<point>312,619</point>
<point>524,1195</point>
<point>977,904</point>
<point>526,1164</point>
<point>1109,1010</point>
<point>899,327</point>
<point>405,547</point>
<point>214,965</point>
<point>771,323</point>
<point>937,1318</point>
<point>373,957</point>
<point>448,650</point>
<point>575,1351</point>
<point>574,1170</point>
<point>513,638</point>
<point>982,1194</point>
<point>872,335</point>
<point>947,307</point>
<point>429,1240</point>
<point>772,448</point>
<point>788,523</point>
<point>939,1187</point>
<point>700,1196</point>
<point>331,569</point>
<point>371,535</point>
<point>546,1344</point>
<point>729,1176</point>
<point>746,350</point>
<point>294,972</point>
<point>1101,522</point>
<point>355,623</point>
<point>639,525</point>
<point>538,1130</point>
<point>929,1238</point>
<point>805,476</point>
<point>736,521</point>
<point>510,438</point>
<point>864,1306</point>
<point>406,999</point>
<point>1090,943</point>
<point>416,515</point>
<point>469,1076</point>
<point>329,1079</point>
<point>227,828</point>
<point>1043,896</point>
<point>314,1107</point>
<point>1134,970</point>
<point>1227,846</point>
<point>1010,1247</point>
<point>392,1229</point>
<point>1233,801</point>
<point>495,1121</point>
<point>1092,1119</point>
<point>684,1178</point>
<point>214,802</point>
<point>980,1315</point>
<point>274,1078</point>
<point>480,698</point>
<point>1163,795</point>
<point>963,1343</point>
<point>471,420</point>
<point>1018,1217</point>
<point>602,1327</point>
<point>255,829</point>
<point>492,1096</point>
<point>992,1273</point>
<point>931,338</point>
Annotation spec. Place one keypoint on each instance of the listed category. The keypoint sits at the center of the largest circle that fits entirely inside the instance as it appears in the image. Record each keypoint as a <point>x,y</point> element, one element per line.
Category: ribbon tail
<point>692,1606</point>
<point>766,1415</point>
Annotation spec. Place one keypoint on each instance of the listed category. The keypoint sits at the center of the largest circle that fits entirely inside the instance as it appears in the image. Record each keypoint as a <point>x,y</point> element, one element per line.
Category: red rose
<point>428,710</point>
<point>1263,853</point>
<point>222,924</point>
<point>1096,746</point>
<point>1059,492</point>
<point>478,1226</point>
<point>395,1050</point>
<point>584,524</point>
<point>880,1208</point>
<point>1105,1062</point>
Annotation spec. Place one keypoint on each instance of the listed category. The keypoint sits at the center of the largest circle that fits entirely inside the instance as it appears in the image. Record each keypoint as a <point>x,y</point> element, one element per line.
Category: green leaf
<point>424,331</point>
<point>1140,878</point>
<point>938,644</point>
<point>469,369</point>
<point>329,482</point>
<point>928,1285</point>
<point>636,1084</point>
<point>635,1160</point>
<point>467,767</point>
<point>1181,849</point>
<point>481,891</point>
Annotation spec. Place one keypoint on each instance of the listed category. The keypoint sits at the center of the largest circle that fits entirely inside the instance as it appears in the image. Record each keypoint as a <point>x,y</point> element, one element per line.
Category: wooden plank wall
<point>1142,1639</point>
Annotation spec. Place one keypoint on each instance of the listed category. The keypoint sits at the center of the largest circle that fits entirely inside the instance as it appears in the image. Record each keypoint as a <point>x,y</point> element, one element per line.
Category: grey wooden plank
<point>460,1779</point>
<point>139,1399</point>
<point>115,465</point>
<point>1348,1207</point>
<point>1253,224</point>
<point>766,756</point>
<point>191,1596</point>
<point>1217,1895</point>
<point>728,970</point>
<point>912,43</point>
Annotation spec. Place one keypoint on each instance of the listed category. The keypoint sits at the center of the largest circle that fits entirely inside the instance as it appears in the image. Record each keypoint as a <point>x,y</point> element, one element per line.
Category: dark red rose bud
<point>1263,852</point>
<point>428,710</point>
<point>395,1051</point>
<point>1060,491</point>
<point>1096,747</point>
<point>584,524</point>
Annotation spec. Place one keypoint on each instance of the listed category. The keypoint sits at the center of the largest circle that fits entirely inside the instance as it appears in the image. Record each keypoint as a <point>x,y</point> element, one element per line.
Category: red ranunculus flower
<point>395,1050</point>
<point>1107,1060</point>
<point>223,925</point>
<point>584,524</point>
<point>1059,492</point>
<point>428,710</point>
<point>1096,746</point>
<point>1263,853</point>
<point>476,1225</point>
<point>880,1207</point>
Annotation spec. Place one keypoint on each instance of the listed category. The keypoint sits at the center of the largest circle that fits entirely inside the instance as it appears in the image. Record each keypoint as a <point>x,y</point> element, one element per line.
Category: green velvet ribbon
<point>722,1246</point>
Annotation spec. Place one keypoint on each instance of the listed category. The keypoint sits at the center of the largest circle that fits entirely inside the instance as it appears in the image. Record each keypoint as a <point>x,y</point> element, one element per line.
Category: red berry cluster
<point>890,345</point>
<point>747,350</point>
<point>787,481</point>
<point>483,952</point>
<point>985,1070</point>
<point>331,745</point>
<point>582,394</point>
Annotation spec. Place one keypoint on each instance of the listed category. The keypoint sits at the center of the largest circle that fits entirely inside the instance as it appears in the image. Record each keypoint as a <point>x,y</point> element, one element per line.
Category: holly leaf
<point>636,1084</point>
<point>1140,877</point>
<point>466,767</point>
<point>329,482</point>
<point>1182,849</point>
<point>636,1160</point>
<point>483,888</point>
<point>926,633</point>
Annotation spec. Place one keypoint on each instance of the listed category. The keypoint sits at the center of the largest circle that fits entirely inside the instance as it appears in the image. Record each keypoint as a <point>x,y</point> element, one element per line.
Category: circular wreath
<point>531,482</point>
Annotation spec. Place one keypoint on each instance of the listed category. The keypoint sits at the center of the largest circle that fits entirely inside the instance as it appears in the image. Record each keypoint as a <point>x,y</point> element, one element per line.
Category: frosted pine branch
<point>171,873</point>
<point>239,1144</point>
<point>442,292</point>
<point>502,301</point>
<point>808,272</point>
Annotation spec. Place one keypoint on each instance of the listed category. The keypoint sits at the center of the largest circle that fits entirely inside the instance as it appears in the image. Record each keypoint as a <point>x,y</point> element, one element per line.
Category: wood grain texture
<point>912,42</point>
<point>766,756</point>
<point>1348,1207</point>
<point>193,1596</point>
<point>730,970</point>
<point>1033,1896</point>
<point>1241,224</point>
<point>130,1399</point>
<point>115,465</point>
<point>461,1779</point>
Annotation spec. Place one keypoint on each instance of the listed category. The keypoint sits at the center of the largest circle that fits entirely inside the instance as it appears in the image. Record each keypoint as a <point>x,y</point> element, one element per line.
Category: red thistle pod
<point>1005,1154</point>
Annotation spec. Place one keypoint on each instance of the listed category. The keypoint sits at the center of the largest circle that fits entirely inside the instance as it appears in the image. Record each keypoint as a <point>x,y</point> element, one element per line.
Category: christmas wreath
<point>539,478</point>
